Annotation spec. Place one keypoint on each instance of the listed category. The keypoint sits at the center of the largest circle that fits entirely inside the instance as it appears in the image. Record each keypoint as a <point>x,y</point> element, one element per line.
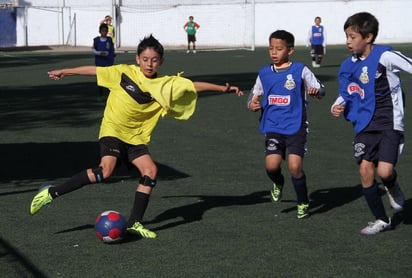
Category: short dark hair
<point>103,26</point>
<point>150,42</point>
<point>364,23</point>
<point>284,35</point>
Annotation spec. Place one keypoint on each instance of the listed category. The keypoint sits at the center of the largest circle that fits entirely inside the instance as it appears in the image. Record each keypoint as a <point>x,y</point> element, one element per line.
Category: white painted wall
<point>224,25</point>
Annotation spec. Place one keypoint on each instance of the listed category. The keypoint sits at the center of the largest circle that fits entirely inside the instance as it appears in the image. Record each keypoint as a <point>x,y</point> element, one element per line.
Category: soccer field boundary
<point>211,206</point>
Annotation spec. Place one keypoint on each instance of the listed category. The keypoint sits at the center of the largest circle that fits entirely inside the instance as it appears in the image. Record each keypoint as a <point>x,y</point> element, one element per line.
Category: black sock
<point>301,189</point>
<point>276,177</point>
<point>374,201</point>
<point>141,200</point>
<point>76,182</point>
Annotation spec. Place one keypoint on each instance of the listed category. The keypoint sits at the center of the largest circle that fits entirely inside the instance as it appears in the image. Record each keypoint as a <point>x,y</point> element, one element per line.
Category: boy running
<point>283,86</point>
<point>371,97</point>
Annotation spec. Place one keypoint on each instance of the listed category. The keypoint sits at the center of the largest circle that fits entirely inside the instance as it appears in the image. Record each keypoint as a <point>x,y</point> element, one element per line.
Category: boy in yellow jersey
<point>138,98</point>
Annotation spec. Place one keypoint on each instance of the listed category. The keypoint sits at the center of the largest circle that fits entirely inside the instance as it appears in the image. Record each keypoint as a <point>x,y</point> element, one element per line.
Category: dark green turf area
<point>211,207</point>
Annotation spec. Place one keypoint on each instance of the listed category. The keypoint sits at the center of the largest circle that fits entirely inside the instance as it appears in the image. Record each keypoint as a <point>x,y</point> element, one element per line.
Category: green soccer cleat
<point>303,211</point>
<point>276,192</point>
<point>138,229</point>
<point>41,199</point>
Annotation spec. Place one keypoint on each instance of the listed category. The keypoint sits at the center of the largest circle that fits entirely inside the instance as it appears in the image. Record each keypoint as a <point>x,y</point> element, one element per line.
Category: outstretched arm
<point>205,86</point>
<point>84,70</point>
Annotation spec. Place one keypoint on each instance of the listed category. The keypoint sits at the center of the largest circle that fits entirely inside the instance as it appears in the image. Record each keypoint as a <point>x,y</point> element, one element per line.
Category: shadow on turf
<point>404,216</point>
<point>49,161</point>
<point>324,200</point>
<point>195,211</point>
<point>127,238</point>
<point>17,264</point>
<point>11,59</point>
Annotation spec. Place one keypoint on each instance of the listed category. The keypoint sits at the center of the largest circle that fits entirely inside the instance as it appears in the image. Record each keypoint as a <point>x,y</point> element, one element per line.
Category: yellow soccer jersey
<point>135,102</point>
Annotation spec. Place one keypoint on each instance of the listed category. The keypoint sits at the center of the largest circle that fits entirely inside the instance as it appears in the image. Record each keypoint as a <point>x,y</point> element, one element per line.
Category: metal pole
<point>26,31</point>
<point>253,24</point>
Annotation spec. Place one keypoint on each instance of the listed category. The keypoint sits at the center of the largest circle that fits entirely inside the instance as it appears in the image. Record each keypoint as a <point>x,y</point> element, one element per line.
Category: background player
<point>317,41</point>
<point>191,27</point>
<point>103,50</point>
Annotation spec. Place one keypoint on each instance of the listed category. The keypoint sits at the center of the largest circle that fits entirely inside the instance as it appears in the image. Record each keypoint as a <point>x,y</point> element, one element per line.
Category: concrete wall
<point>226,25</point>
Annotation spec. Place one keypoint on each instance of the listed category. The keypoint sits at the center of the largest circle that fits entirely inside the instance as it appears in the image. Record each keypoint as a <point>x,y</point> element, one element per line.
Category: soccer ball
<point>110,226</point>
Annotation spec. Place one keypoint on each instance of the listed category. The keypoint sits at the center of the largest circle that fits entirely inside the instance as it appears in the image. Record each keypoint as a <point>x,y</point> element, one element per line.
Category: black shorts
<point>191,38</point>
<point>276,143</point>
<point>385,145</point>
<point>317,49</point>
<point>124,152</point>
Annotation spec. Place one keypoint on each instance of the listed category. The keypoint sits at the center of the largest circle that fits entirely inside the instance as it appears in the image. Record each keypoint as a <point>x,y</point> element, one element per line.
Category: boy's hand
<point>337,110</point>
<point>234,89</point>
<point>255,105</point>
<point>316,93</point>
<point>56,74</point>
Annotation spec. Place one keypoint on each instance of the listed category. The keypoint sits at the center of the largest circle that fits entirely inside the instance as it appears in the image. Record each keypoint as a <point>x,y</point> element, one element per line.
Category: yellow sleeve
<point>176,95</point>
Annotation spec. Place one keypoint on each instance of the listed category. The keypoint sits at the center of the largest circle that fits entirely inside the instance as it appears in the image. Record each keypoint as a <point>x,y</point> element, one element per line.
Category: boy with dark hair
<point>111,30</point>
<point>191,27</point>
<point>371,97</point>
<point>138,98</point>
<point>103,50</point>
<point>283,86</point>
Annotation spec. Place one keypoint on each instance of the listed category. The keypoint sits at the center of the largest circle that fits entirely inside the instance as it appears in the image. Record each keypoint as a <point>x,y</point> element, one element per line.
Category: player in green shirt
<point>191,27</point>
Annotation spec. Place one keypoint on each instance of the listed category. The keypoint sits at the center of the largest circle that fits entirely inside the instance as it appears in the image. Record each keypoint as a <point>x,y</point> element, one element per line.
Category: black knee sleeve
<point>98,173</point>
<point>276,176</point>
<point>147,181</point>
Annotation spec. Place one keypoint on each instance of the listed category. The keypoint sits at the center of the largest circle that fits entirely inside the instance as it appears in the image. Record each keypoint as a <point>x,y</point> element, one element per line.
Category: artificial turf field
<point>211,207</point>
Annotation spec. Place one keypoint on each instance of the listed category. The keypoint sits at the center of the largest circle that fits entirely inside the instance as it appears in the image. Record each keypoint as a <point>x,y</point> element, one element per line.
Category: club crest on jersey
<point>290,83</point>
<point>354,88</point>
<point>279,100</point>
<point>364,78</point>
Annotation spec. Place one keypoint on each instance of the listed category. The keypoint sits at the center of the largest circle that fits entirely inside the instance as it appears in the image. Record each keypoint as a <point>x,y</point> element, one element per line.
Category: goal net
<point>223,24</point>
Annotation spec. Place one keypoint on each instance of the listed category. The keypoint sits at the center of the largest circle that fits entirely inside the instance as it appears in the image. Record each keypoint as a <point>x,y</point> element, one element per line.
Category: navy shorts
<point>123,151</point>
<point>317,49</point>
<point>276,143</point>
<point>385,145</point>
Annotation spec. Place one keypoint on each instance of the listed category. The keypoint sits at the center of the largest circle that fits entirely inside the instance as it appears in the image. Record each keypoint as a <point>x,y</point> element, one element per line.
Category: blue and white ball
<point>110,226</point>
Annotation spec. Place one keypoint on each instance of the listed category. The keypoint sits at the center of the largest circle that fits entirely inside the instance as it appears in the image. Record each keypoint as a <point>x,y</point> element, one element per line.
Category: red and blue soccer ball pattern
<point>110,226</point>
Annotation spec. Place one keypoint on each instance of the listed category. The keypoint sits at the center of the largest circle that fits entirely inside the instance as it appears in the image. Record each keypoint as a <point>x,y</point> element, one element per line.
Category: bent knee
<point>150,171</point>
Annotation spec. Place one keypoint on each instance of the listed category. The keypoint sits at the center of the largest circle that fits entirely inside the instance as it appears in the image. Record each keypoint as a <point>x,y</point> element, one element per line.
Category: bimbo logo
<point>354,88</point>
<point>279,100</point>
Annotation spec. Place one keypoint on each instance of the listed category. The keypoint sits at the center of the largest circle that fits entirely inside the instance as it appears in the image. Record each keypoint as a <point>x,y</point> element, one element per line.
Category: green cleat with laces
<point>303,211</point>
<point>41,199</point>
<point>138,229</point>
<point>276,192</point>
